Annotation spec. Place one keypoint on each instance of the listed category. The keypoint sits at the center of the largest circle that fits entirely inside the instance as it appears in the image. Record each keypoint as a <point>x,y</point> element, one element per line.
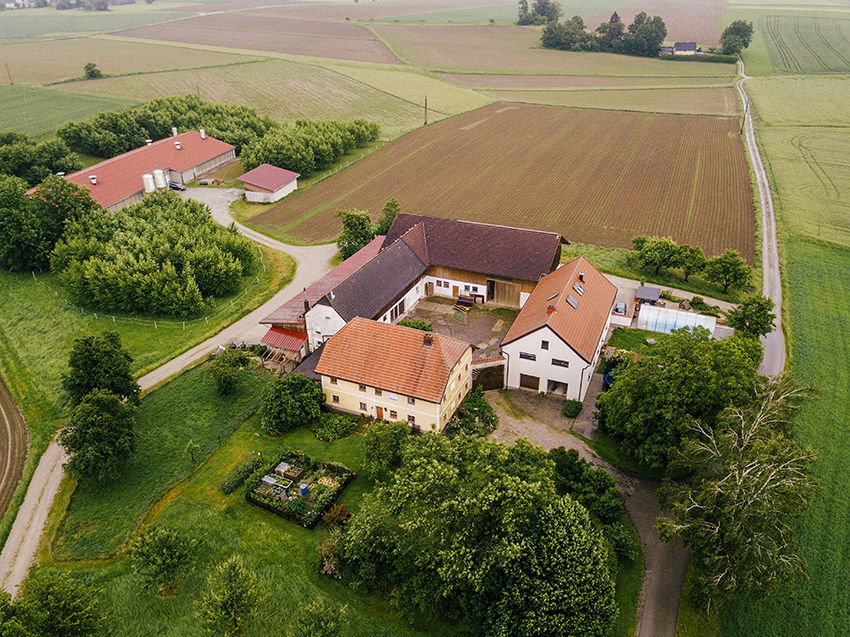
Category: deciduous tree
<point>742,29</point>
<point>728,270</point>
<point>754,317</point>
<point>691,259</point>
<point>356,231</point>
<point>100,362</point>
<point>159,555</point>
<point>290,402</point>
<point>57,604</point>
<point>230,597</point>
<point>320,619</point>
<point>657,252</point>
<point>99,436</point>
<point>225,369</point>
<point>391,210</point>
<point>383,445</point>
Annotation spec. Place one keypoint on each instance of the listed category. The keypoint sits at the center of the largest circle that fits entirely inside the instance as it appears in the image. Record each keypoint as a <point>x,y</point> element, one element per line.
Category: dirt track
<point>13,446</point>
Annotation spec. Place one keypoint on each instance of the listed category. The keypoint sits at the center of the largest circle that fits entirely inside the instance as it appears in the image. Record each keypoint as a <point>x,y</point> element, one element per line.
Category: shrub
<point>572,408</point>
<point>333,426</point>
<point>416,324</point>
<point>705,57</point>
<point>290,402</point>
<point>475,416</point>
<point>225,368</point>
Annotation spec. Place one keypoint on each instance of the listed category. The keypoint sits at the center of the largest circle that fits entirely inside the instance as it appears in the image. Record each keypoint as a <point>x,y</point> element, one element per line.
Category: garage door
<point>529,382</point>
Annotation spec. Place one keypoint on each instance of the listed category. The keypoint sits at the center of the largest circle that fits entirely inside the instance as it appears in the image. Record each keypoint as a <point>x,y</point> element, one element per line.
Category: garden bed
<point>279,488</point>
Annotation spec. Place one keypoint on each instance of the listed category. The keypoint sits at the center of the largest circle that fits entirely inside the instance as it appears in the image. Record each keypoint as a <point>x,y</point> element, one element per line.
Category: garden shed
<point>267,183</point>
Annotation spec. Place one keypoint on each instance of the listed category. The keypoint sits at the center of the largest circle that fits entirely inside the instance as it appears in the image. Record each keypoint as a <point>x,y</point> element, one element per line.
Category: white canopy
<point>662,319</point>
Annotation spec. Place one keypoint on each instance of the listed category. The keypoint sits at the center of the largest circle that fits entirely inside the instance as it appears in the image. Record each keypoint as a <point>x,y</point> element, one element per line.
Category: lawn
<point>38,326</point>
<point>280,89</point>
<point>512,49</point>
<point>40,111</point>
<point>633,340</point>
<point>56,60</point>
<point>687,101</point>
<point>100,517</point>
<point>615,261</point>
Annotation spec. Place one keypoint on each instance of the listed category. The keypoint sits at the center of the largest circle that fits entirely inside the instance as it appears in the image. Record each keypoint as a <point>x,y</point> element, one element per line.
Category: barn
<point>267,183</point>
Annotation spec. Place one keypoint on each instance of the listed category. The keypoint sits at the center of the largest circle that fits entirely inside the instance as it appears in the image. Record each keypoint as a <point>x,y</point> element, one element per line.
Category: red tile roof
<point>293,310</point>
<point>580,327</point>
<point>121,177</point>
<point>285,339</point>
<point>392,358</point>
<point>268,177</point>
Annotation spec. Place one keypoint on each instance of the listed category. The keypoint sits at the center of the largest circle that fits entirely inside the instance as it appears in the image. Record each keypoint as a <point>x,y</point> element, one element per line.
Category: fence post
<point>154,325</point>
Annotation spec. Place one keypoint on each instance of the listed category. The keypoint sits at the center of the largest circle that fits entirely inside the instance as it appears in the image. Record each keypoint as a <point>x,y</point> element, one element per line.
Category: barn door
<point>379,413</point>
<point>526,381</point>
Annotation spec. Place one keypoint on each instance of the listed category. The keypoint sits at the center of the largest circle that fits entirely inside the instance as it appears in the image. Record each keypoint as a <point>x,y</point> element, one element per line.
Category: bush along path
<point>312,262</point>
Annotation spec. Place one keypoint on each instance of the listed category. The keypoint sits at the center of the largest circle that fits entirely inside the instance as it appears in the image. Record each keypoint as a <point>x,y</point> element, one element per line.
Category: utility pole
<point>9,73</point>
<point>426,110</point>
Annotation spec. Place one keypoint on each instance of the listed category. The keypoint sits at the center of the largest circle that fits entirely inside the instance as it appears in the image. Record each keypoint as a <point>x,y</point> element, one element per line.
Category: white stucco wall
<point>411,298</point>
<point>322,323</point>
<point>474,288</point>
<point>270,197</point>
<point>575,376</point>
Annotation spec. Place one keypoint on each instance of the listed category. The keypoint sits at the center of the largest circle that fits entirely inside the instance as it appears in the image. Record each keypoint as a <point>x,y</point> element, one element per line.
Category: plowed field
<point>596,177</point>
<point>686,20</point>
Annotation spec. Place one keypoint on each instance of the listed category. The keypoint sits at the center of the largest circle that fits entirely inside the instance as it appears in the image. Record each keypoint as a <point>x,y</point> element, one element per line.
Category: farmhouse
<point>267,183</point>
<point>124,179</point>
<point>554,344</point>
<point>685,48</point>
<point>420,257</point>
<point>395,373</point>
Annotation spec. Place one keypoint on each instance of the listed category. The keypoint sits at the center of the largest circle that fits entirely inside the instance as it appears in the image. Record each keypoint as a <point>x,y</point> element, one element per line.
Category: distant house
<point>685,48</point>
<point>395,373</point>
<point>267,183</point>
<point>665,50</point>
<point>124,179</point>
<point>424,256</point>
<point>554,344</point>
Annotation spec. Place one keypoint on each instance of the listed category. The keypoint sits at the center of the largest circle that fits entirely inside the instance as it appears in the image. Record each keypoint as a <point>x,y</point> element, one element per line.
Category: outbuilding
<point>685,48</point>
<point>267,183</point>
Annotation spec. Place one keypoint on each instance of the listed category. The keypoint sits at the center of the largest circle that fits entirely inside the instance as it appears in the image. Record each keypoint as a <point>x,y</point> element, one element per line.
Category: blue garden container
<point>303,489</point>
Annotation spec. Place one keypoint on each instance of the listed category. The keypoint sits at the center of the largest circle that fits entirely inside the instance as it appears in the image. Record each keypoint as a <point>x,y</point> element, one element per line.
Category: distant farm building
<point>267,183</point>
<point>124,179</point>
<point>685,48</point>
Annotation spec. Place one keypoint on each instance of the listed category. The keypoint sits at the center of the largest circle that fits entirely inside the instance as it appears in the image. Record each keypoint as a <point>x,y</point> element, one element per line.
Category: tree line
<point>307,146</point>
<point>34,161</point>
<point>162,256</point>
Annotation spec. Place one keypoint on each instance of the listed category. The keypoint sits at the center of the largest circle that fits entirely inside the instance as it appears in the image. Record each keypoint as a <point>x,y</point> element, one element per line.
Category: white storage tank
<point>159,178</point>
<point>149,183</point>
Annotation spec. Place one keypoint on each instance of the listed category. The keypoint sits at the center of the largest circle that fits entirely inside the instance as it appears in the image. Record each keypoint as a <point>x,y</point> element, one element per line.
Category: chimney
<point>93,179</point>
<point>174,131</point>
<point>306,302</point>
<point>148,142</point>
<point>177,145</point>
<point>427,339</point>
<point>550,309</point>
<point>203,133</point>
<point>581,276</point>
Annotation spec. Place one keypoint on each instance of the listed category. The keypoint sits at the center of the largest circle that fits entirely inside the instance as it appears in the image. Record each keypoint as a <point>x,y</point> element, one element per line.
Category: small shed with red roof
<point>267,183</point>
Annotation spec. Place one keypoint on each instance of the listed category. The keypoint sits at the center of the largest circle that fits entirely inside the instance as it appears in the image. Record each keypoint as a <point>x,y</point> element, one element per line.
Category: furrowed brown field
<point>268,33</point>
<point>596,177</point>
<point>483,81</point>
<point>686,20</point>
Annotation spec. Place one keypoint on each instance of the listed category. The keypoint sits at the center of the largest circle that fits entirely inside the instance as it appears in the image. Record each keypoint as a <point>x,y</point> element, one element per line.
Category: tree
<point>383,445</point>
<point>391,210</point>
<point>472,530</point>
<point>657,252</point>
<point>99,436</point>
<point>728,270</point>
<point>691,259</point>
<point>230,598</point>
<point>225,370</point>
<point>732,44</point>
<point>740,28</point>
<point>22,243</point>
<point>753,317</point>
<point>159,555</point>
<point>100,362</point>
<point>91,71</point>
<point>58,604</point>
<point>356,231</point>
<point>545,11</point>
<point>320,619</point>
<point>58,202</point>
<point>290,402</point>
<point>687,375</point>
<point>523,14</point>
<point>12,623</point>
<point>751,482</point>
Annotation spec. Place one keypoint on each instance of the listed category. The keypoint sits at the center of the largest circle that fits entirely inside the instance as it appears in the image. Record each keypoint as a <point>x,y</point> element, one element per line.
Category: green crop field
<point>278,88</point>
<point>696,101</point>
<point>492,82</point>
<point>39,111</point>
<point>807,44</point>
<point>512,49</point>
<point>807,101</point>
<point>38,326</point>
<point>40,62</point>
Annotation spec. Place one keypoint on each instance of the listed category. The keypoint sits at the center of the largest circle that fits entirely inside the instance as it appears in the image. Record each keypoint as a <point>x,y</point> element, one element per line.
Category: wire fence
<point>160,323</point>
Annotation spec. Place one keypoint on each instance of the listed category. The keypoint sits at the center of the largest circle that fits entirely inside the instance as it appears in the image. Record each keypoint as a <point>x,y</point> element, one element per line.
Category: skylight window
<point>553,296</point>
<point>572,301</point>
<point>578,287</point>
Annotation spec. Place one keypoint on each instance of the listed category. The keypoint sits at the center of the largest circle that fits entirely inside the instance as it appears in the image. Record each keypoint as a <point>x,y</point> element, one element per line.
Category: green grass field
<point>807,101</point>
<point>691,101</point>
<point>43,23</point>
<point>38,326</point>
<point>101,517</point>
<point>56,60</point>
<point>40,111</point>
<point>277,88</point>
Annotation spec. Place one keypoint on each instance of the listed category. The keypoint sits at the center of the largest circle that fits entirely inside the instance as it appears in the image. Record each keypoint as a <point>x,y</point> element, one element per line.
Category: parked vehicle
<point>176,186</point>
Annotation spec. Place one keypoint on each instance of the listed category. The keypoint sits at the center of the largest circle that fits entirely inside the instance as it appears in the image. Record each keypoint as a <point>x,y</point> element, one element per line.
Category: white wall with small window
<point>445,287</point>
<point>542,361</point>
<point>404,304</point>
<point>322,322</point>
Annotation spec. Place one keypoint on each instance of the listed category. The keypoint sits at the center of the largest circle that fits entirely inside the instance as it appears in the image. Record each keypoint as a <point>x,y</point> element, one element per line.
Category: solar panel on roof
<point>572,301</point>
